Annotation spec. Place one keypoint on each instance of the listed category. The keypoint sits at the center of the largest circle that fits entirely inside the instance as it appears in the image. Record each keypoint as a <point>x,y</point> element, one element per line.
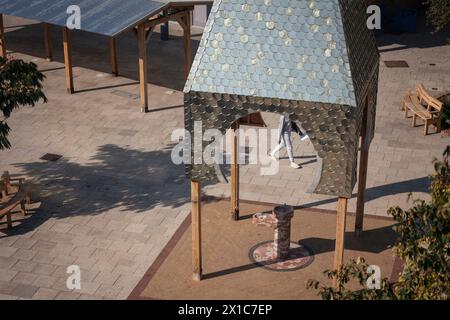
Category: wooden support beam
<point>48,42</point>
<point>196,230</point>
<point>340,236</point>
<point>164,29</point>
<point>143,77</point>
<point>2,38</point>
<point>148,34</point>
<point>68,61</point>
<point>165,18</point>
<point>234,181</point>
<point>187,44</point>
<point>113,53</point>
<point>362,176</point>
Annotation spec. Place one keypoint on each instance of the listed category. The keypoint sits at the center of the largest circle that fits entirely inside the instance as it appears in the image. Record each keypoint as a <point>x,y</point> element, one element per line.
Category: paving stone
<point>24,291</point>
<point>45,294</point>
<point>108,291</point>
<point>8,262</point>
<point>135,227</point>
<point>24,277</point>
<point>7,297</point>
<point>44,269</point>
<point>24,266</point>
<point>7,251</point>
<point>67,296</point>
<point>45,281</point>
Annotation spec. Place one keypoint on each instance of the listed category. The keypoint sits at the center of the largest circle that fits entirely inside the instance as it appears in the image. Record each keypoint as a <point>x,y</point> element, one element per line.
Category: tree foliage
<point>438,13</point>
<point>20,85</point>
<point>423,245</point>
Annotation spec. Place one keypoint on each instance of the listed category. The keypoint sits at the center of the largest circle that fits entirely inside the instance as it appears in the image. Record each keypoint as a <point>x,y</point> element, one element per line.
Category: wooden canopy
<point>142,20</point>
<point>313,61</point>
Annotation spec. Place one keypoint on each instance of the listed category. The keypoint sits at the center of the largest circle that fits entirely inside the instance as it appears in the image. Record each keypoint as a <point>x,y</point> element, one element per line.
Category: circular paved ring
<point>300,256</point>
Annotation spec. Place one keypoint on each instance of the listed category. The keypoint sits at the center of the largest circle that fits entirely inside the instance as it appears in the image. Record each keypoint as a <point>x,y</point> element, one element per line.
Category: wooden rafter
<point>169,17</point>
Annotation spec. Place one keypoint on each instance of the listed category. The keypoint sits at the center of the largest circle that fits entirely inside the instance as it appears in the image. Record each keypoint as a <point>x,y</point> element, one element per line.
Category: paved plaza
<point>114,199</point>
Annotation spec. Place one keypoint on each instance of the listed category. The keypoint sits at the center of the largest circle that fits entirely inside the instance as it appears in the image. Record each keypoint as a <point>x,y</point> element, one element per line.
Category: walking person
<point>285,127</point>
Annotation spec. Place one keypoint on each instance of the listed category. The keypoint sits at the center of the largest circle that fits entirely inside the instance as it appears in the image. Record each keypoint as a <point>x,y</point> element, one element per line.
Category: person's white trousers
<point>285,141</point>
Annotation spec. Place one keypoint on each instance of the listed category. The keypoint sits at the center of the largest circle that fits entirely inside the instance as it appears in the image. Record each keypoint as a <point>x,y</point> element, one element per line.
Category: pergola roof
<point>105,17</point>
<point>297,50</point>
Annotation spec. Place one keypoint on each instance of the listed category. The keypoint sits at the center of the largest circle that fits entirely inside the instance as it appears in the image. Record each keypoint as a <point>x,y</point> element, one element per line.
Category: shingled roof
<point>307,50</point>
<point>314,60</point>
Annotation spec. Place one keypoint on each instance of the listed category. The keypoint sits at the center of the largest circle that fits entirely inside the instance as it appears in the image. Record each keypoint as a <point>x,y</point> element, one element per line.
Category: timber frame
<point>341,212</point>
<point>180,13</point>
<point>335,105</point>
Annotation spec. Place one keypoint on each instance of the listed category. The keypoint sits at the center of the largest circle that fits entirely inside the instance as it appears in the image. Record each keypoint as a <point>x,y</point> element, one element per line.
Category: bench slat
<point>415,106</point>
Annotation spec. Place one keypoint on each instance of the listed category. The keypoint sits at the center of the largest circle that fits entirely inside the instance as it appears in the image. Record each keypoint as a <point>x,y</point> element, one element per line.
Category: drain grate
<point>51,157</point>
<point>396,64</point>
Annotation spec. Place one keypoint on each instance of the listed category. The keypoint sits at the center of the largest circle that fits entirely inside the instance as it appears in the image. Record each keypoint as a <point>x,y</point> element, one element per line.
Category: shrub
<point>20,85</point>
<point>423,246</point>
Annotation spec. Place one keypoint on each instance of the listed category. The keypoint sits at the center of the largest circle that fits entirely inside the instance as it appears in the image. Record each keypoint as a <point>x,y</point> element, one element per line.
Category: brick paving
<point>113,200</point>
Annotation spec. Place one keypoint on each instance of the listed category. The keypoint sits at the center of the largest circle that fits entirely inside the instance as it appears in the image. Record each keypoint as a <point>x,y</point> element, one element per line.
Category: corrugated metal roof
<point>286,49</point>
<point>106,17</point>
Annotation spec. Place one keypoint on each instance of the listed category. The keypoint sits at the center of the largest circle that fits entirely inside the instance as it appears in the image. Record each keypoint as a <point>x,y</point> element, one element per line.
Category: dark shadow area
<point>250,216</point>
<point>164,108</point>
<point>374,241</point>
<point>407,186</point>
<point>313,159</point>
<point>108,87</point>
<point>423,38</point>
<point>52,69</point>
<point>132,180</point>
<point>92,51</point>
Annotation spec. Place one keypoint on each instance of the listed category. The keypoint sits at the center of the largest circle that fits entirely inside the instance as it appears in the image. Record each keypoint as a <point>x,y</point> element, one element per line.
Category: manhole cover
<point>51,157</point>
<point>396,64</point>
<point>300,256</point>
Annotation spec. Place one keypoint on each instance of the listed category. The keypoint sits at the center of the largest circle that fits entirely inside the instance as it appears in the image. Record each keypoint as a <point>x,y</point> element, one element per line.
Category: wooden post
<point>196,230</point>
<point>113,50</point>
<point>48,42</point>
<point>187,44</point>
<point>340,235</point>
<point>234,172</point>
<point>2,38</point>
<point>362,176</point>
<point>68,61</point>
<point>143,67</point>
<point>164,29</point>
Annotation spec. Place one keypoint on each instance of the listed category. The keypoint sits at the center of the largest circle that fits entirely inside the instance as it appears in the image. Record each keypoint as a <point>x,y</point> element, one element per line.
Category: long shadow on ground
<point>128,179</point>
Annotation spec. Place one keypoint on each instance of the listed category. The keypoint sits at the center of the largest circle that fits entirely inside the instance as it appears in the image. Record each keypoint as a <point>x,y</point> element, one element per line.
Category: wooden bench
<point>424,106</point>
<point>12,196</point>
